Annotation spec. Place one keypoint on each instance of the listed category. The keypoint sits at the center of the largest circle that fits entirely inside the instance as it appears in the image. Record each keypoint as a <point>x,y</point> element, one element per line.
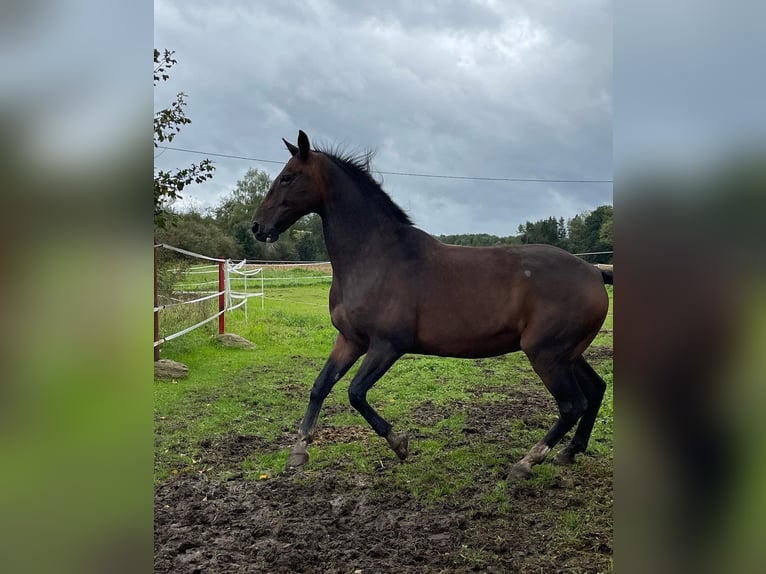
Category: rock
<point>168,370</point>
<point>234,341</point>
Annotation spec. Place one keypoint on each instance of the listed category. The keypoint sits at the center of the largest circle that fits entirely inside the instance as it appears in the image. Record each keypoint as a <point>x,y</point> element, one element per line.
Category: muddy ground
<point>337,523</point>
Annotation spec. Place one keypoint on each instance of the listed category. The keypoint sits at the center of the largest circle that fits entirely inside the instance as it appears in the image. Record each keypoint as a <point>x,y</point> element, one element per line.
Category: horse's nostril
<point>255,227</point>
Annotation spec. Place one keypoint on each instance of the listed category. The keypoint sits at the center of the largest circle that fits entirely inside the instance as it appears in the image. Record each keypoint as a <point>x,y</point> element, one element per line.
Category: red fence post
<point>221,299</point>
<point>156,313</point>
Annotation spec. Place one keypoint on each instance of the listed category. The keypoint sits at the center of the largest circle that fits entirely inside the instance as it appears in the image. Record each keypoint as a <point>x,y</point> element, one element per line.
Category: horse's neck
<point>355,231</point>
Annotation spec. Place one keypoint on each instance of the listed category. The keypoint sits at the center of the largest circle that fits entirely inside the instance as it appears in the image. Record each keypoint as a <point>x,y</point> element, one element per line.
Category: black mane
<point>358,168</point>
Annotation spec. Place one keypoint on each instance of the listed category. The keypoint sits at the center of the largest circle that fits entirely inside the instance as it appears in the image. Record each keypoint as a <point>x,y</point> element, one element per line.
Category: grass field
<point>235,417</point>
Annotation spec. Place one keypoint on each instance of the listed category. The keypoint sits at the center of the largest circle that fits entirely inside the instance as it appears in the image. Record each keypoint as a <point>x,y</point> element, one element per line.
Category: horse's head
<point>295,192</point>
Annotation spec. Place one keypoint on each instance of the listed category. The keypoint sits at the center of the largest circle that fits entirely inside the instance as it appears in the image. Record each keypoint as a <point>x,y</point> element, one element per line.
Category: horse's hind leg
<point>344,354</point>
<point>593,387</point>
<point>377,361</point>
<point>559,378</point>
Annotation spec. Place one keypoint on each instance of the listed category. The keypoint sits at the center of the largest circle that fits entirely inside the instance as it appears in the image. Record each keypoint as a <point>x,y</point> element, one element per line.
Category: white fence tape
<point>238,305</point>
<point>185,284</point>
<point>184,331</point>
<point>594,253</point>
<point>207,272</point>
<point>211,296</point>
<point>230,268</point>
<point>201,267</point>
<point>287,263</point>
<point>190,253</point>
<point>250,273</point>
<point>239,295</point>
<point>298,279</point>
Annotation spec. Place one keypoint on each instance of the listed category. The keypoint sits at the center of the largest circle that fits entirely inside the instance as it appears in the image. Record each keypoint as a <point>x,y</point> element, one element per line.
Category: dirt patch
<point>227,452</point>
<point>491,421</point>
<point>329,434</point>
<point>231,446</point>
<point>527,404</point>
<point>326,521</point>
<point>285,526</point>
<point>333,525</point>
<point>598,353</point>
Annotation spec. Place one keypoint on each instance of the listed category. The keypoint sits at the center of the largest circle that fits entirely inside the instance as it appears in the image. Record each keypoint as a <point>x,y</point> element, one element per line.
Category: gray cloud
<point>492,89</point>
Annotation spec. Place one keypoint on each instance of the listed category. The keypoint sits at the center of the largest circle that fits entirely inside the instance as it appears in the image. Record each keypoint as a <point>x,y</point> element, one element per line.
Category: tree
<point>477,240</point>
<point>310,244</point>
<point>606,233</point>
<point>593,231</point>
<point>576,233</point>
<point>167,124</point>
<point>550,231</point>
<point>235,211</point>
<point>199,233</point>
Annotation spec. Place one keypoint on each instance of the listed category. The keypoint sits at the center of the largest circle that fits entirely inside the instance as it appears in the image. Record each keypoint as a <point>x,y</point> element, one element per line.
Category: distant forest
<point>224,231</point>
<point>588,232</point>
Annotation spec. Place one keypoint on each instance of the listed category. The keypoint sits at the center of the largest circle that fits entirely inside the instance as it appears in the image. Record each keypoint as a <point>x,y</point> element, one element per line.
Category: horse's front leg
<point>344,354</point>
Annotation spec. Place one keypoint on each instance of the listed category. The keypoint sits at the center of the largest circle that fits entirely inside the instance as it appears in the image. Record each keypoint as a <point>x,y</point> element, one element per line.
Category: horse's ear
<point>291,148</point>
<point>303,145</point>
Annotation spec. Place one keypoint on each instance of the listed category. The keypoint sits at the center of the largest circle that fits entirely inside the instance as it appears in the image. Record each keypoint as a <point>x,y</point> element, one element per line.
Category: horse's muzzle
<point>265,236</point>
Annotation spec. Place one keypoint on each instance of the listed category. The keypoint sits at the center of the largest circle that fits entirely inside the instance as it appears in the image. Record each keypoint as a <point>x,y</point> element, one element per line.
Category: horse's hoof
<point>521,471</point>
<point>398,443</point>
<point>564,457</point>
<point>296,460</point>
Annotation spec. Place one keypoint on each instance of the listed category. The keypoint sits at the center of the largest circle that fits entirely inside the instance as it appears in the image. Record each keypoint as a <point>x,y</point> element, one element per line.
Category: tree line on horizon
<point>587,232</point>
<point>225,230</point>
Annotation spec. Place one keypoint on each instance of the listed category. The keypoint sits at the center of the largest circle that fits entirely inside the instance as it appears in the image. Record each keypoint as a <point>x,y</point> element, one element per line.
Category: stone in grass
<point>234,341</point>
<point>168,370</point>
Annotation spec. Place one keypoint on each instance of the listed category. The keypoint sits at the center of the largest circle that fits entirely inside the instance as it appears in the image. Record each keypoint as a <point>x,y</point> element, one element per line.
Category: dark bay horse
<point>397,290</point>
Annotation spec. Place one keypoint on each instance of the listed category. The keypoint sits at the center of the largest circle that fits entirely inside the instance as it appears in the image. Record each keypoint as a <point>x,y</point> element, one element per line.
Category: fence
<point>227,281</point>
<point>229,275</point>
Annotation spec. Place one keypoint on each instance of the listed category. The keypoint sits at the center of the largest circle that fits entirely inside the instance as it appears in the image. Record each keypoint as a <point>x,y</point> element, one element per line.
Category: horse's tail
<point>607,273</point>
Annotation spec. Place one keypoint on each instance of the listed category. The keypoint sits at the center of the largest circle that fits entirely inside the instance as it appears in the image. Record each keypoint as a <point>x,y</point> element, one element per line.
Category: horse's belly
<point>468,345</point>
<point>484,327</point>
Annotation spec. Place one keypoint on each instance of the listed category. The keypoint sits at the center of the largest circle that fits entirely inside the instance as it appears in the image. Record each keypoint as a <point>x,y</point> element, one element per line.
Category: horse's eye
<point>286,178</point>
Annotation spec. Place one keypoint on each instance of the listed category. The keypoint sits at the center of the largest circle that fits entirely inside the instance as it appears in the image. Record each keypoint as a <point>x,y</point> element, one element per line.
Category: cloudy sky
<point>484,88</point>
